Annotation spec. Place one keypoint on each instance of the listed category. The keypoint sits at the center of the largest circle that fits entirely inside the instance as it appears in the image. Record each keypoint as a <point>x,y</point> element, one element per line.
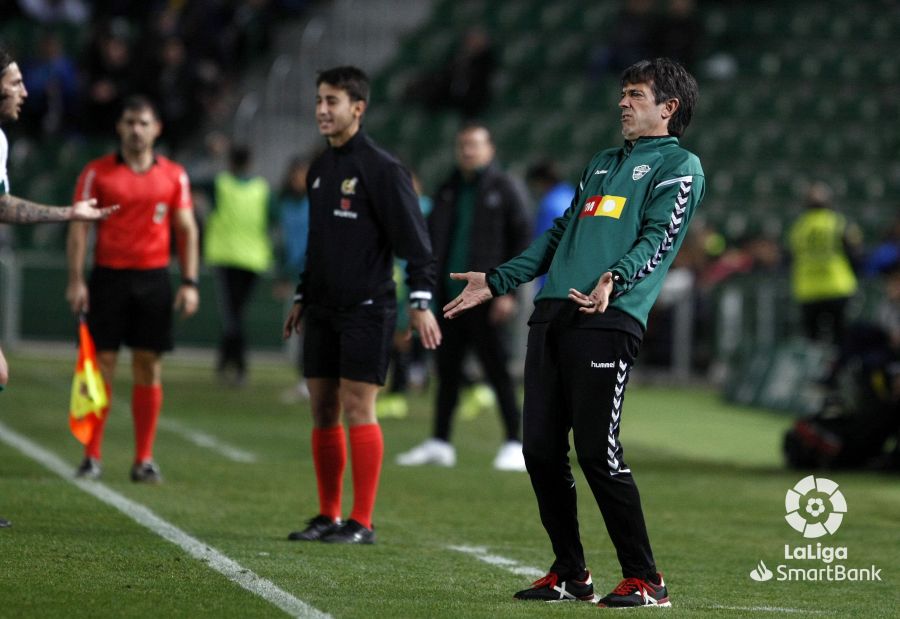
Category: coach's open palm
<point>475,293</point>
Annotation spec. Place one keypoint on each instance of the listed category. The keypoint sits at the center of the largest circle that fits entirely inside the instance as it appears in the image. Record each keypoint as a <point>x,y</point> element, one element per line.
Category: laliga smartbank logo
<point>815,507</point>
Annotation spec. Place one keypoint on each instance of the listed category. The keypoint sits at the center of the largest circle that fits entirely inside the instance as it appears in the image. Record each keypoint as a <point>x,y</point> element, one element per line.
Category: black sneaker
<point>315,529</point>
<point>88,469</point>
<point>146,472</point>
<point>4,523</point>
<point>636,592</point>
<point>351,532</point>
<point>551,589</point>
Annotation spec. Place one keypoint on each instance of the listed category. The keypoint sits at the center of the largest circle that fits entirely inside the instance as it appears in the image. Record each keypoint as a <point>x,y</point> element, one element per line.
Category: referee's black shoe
<point>315,529</point>
<point>4,523</point>
<point>88,469</point>
<point>146,472</point>
<point>551,588</point>
<point>351,532</point>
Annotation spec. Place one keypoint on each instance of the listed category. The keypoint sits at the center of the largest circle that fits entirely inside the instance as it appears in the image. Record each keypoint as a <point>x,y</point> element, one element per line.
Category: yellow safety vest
<point>821,268</point>
<point>236,232</point>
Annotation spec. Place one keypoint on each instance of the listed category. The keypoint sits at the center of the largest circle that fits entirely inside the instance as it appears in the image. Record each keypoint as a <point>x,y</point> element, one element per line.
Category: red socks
<point>146,402</point>
<point>329,451</point>
<point>92,449</point>
<point>367,445</point>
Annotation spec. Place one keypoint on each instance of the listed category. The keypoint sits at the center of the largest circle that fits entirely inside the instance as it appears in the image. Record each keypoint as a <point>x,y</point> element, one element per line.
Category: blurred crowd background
<point>792,95</point>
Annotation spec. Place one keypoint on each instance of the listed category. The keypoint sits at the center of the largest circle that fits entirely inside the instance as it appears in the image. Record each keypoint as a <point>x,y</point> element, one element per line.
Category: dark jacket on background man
<point>501,227</point>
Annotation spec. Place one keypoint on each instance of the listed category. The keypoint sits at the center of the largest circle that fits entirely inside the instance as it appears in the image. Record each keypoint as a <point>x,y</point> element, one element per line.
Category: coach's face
<point>337,115</point>
<point>642,115</point>
<point>13,93</point>
<point>138,130</point>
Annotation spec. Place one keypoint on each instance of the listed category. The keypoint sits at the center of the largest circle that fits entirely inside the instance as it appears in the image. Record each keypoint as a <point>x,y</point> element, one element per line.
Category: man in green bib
<point>238,249</point>
<point>605,260</point>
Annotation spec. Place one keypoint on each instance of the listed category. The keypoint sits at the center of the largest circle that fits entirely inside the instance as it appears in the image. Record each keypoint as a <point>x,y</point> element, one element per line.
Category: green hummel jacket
<point>629,216</point>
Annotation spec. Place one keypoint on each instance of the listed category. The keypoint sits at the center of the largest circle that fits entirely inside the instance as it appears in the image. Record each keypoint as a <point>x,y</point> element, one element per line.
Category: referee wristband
<point>187,281</point>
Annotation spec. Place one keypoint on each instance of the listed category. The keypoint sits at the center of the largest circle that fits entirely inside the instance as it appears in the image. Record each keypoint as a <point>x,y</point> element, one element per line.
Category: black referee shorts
<point>352,343</point>
<point>131,307</point>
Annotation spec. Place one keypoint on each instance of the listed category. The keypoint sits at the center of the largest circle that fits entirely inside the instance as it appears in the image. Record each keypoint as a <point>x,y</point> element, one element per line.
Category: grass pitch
<point>710,474</point>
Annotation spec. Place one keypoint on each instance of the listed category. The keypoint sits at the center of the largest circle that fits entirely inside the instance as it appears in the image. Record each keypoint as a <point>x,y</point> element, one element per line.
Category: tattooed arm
<point>15,210</point>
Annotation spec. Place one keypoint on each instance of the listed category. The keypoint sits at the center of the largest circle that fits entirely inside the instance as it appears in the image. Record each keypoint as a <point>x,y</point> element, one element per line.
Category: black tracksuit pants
<point>473,329</point>
<point>233,289</point>
<point>575,379</point>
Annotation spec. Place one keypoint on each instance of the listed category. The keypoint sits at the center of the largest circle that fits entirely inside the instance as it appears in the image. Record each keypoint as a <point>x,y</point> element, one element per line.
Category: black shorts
<point>352,343</point>
<point>131,307</point>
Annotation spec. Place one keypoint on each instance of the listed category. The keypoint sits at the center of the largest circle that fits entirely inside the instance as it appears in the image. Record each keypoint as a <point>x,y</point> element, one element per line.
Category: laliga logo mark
<point>761,573</point>
<point>807,505</point>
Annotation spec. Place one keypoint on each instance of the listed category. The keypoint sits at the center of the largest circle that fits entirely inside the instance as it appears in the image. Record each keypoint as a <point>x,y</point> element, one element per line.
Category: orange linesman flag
<point>89,396</point>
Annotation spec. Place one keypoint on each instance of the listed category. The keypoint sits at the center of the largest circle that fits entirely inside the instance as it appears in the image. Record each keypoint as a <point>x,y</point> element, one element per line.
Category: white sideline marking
<point>481,553</point>
<point>202,439</point>
<point>198,438</point>
<point>766,609</point>
<point>229,568</point>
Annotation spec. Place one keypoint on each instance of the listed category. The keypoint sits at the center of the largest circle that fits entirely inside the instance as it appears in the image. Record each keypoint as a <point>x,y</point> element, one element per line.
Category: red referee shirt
<point>137,236</point>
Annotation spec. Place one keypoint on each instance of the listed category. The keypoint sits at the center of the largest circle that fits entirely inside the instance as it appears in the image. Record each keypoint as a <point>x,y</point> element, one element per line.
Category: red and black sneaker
<point>636,592</point>
<point>551,589</point>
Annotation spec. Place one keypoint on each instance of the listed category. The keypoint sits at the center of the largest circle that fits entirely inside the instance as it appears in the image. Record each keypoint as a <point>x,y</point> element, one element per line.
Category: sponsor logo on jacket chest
<point>603,206</point>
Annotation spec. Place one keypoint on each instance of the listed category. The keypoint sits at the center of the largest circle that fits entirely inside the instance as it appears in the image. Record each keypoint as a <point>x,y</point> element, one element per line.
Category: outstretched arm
<point>15,210</point>
<point>475,293</point>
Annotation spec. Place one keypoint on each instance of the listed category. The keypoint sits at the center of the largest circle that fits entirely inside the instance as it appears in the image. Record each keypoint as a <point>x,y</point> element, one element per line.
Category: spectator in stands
<point>238,248</point>
<point>110,75</point>
<point>52,11</point>
<point>678,32</point>
<point>52,82</point>
<point>479,220</point>
<point>823,247</point>
<point>175,86</point>
<point>886,254</point>
<point>629,40</point>
<point>464,82</point>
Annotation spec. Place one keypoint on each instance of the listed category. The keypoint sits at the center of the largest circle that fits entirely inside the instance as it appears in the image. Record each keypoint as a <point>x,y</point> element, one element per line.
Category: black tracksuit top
<point>363,211</point>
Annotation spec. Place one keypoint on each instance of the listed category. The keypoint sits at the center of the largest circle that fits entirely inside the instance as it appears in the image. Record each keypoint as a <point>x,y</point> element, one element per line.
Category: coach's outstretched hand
<point>425,324</point>
<point>475,293</point>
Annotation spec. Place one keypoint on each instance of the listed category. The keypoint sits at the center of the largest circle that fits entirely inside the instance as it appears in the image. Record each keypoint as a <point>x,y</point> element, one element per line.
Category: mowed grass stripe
<point>232,570</point>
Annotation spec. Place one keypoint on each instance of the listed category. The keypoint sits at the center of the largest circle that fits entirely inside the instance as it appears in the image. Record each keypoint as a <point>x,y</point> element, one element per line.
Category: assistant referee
<point>363,211</point>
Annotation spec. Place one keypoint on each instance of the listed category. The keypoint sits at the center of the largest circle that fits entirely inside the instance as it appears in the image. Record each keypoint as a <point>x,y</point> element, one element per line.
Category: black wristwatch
<point>187,281</point>
<point>420,304</point>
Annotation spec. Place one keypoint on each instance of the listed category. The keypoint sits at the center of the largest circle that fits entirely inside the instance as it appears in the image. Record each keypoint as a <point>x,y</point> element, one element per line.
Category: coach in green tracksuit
<point>606,258</point>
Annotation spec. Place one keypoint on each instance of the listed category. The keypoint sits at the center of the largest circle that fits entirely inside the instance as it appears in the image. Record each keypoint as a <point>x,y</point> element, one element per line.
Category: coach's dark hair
<point>137,103</point>
<point>351,79</point>
<point>669,80</point>
<point>6,59</point>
